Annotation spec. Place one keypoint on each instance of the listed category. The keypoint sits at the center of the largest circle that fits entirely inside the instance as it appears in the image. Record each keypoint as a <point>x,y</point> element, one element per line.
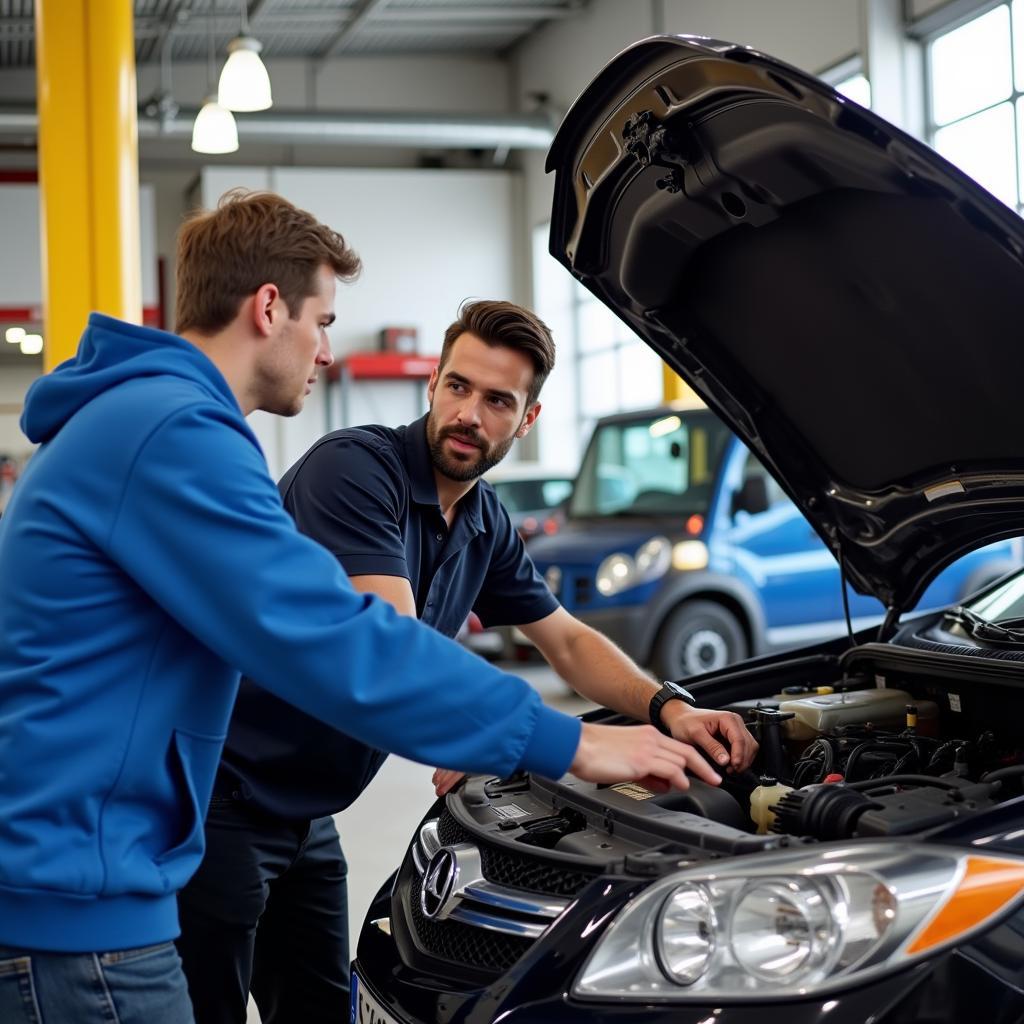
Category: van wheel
<point>699,636</point>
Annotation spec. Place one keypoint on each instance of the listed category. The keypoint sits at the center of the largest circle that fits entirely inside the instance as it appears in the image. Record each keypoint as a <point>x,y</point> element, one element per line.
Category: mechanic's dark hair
<point>507,325</point>
<point>249,240</point>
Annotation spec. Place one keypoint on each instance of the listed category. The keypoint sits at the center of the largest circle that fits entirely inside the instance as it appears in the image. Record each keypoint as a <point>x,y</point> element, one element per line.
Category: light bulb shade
<point>32,344</point>
<point>215,130</point>
<point>244,82</point>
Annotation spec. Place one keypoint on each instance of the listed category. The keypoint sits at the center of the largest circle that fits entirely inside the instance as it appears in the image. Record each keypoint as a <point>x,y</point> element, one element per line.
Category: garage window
<point>609,368</point>
<point>617,371</point>
<point>976,98</point>
<point>848,78</point>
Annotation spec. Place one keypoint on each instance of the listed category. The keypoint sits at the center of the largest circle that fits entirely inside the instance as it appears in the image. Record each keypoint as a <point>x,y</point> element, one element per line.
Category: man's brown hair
<point>252,239</point>
<point>505,324</point>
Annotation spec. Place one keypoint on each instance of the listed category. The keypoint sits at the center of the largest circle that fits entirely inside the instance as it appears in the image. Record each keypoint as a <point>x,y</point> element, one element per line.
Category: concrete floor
<point>376,829</point>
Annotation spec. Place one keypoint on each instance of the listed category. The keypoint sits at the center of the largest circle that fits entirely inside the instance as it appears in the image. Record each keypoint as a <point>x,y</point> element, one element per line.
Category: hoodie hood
<point>111,352</point>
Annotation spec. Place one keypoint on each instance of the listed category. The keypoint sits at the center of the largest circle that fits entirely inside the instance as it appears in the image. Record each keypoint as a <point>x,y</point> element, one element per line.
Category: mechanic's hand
<point>444,779</point>
<point>637,753</point>
<point>701,727</point>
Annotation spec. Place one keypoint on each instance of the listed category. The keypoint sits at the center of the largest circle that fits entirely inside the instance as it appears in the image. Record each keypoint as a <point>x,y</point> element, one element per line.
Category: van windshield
<point>661,464</point>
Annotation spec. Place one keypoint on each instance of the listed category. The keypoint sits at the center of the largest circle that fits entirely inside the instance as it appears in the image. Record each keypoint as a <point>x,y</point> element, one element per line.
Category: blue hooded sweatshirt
<point>145,561</point>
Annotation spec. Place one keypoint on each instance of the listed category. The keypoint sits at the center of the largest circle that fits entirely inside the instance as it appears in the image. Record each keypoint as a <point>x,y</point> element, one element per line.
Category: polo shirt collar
<point>422,485</point>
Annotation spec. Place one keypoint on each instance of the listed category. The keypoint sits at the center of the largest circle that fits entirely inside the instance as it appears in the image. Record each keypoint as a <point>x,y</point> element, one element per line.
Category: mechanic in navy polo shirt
<point>404,512</point>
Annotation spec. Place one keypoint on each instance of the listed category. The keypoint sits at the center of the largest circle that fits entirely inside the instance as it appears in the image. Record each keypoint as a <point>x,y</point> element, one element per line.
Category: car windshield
<point>1005,604</point>
<point>661,464</point>
<point>531,495</point>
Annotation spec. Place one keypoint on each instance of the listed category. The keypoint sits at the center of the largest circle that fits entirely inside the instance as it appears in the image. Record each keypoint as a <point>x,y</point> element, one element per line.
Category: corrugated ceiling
<point>311,29</point>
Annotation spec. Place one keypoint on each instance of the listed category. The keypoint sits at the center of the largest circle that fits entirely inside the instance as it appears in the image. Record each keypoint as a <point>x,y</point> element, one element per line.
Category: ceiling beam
<point>506,12</point>
<point>361,14</point>
<point>176,16</point>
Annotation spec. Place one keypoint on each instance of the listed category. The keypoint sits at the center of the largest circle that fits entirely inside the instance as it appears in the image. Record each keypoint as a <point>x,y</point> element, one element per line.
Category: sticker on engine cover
<point>954,702</point>
<point>633,791</point>
<point>511,811</point>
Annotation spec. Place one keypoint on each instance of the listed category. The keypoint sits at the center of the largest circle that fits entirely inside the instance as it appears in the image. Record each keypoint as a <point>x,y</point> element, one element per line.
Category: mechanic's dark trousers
<point>267,911</point>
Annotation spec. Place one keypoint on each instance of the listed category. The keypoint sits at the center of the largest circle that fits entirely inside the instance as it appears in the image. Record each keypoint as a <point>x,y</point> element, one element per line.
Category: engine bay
<point>878,742</point>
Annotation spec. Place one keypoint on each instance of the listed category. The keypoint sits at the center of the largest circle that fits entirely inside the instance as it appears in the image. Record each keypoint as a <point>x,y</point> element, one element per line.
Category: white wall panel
<point>428,239</point>
<point>918,8</point>
<point>21,279</point>
<point>20,262</point>
<point>812,34</point>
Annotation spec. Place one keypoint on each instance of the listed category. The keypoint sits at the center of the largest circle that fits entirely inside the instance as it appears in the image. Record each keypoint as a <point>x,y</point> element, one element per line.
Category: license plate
<point>366,1009</point>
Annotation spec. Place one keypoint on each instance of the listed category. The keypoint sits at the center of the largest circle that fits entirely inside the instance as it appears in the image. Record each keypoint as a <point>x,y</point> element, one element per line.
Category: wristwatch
<point>669,691</point>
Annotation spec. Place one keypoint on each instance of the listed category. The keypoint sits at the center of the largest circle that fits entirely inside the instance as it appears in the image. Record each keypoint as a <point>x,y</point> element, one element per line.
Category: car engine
<point>879,742</point>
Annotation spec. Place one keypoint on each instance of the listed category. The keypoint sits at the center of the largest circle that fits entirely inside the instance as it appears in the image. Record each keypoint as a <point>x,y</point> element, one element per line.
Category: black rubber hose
<point>897,750</point>
<point>905,780</point>
<point>1003,773</point>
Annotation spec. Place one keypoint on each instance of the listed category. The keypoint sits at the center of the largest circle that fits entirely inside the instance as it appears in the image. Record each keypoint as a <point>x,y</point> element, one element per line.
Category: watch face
<point>680,691</point>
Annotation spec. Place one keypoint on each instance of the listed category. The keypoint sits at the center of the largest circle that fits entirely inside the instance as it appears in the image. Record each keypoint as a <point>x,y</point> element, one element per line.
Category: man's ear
<point>432,385</point>
<point>266,308</point>
<point>528,420</point>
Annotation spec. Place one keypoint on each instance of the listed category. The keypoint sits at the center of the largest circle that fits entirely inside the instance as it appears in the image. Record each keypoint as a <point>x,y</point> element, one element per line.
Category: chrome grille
<point>524,870</point>
<point>486,904</point>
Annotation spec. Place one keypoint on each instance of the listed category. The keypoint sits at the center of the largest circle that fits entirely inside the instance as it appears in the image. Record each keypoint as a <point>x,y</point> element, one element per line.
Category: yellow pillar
<point>88,167</point>
<point>674,388</point>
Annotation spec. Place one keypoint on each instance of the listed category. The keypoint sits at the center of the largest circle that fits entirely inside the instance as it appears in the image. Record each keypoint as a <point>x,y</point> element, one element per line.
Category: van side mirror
<point>752,497</point>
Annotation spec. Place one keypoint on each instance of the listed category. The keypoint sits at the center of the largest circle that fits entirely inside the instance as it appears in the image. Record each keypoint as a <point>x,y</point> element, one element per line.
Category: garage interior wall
<point>556,61</point>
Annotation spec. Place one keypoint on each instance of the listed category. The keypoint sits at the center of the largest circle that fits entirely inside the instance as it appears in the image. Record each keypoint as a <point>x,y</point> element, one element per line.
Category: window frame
<point>840,73</point>
<point>941,23</point>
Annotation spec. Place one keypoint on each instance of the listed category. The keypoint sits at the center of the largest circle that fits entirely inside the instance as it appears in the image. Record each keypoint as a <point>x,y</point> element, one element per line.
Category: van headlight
<point>553,578</point>
<point>621,571</point>
<point>796,923</point>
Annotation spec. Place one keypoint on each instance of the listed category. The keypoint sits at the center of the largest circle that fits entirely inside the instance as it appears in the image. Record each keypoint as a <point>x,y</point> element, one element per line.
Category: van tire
<point>697,637</point>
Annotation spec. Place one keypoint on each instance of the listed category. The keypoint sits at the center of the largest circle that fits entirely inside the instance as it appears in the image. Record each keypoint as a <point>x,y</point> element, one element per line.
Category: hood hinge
<point>650,142</point>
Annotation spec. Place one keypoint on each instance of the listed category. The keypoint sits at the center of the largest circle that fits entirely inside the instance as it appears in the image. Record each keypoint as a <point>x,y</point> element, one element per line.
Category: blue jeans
<point>130,986</point>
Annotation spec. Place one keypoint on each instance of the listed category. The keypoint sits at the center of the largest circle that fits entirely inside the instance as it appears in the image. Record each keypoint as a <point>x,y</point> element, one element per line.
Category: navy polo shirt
<point>368,495</point>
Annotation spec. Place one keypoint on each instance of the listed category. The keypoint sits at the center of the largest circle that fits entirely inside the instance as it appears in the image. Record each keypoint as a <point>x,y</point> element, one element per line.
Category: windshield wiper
<point>982,629</point>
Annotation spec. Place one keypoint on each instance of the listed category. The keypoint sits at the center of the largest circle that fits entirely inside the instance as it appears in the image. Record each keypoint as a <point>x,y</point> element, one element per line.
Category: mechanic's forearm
<point>596,669</point>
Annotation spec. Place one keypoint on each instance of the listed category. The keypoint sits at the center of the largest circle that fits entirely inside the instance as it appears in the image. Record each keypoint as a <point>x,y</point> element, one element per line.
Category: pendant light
<point>214,130</point>
<point>244,82</point>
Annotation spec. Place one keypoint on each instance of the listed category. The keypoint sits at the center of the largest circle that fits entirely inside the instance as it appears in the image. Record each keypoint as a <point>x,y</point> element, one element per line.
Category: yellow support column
<point>88,167</point>
<point>674,388</point>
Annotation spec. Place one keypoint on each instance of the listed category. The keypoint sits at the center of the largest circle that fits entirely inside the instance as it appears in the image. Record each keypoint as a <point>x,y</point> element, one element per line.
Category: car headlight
<point>620,571</point>
<point>553,578</point>
<point>796,923</point>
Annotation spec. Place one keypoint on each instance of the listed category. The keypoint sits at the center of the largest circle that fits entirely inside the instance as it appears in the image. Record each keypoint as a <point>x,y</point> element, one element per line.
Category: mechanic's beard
<point>455,469</point>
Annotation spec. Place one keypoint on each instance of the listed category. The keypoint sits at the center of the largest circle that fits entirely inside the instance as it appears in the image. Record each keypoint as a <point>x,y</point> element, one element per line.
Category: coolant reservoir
<point>799,692</point>
<point>822,713</point>
<point>763,801</point>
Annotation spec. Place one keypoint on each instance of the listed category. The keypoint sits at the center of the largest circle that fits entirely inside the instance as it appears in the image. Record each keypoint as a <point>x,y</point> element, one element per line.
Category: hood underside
<point>846,300</point>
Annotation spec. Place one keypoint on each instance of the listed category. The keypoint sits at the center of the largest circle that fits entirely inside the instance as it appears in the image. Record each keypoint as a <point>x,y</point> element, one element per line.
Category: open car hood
<point>846,300</point>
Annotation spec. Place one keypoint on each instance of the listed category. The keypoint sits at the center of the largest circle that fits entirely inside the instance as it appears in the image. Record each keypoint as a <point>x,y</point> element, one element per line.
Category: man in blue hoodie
<point>145,561</point>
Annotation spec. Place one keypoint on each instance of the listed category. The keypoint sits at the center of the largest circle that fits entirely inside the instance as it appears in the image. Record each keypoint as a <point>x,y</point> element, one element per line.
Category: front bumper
<point>957,986</point>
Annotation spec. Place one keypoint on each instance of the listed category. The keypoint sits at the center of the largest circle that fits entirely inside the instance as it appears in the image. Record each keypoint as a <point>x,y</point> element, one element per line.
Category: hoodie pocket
<point>195,760</point>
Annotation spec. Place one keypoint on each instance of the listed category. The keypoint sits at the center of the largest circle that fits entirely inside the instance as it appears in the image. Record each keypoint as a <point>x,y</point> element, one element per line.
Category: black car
<point>850,305</point>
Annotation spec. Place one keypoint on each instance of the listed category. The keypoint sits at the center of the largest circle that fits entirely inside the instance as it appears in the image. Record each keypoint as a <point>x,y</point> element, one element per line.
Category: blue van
<point>686,552</point>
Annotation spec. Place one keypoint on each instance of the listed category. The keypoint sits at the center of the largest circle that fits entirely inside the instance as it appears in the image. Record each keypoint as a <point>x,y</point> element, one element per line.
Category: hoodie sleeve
<point>201,529</point>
